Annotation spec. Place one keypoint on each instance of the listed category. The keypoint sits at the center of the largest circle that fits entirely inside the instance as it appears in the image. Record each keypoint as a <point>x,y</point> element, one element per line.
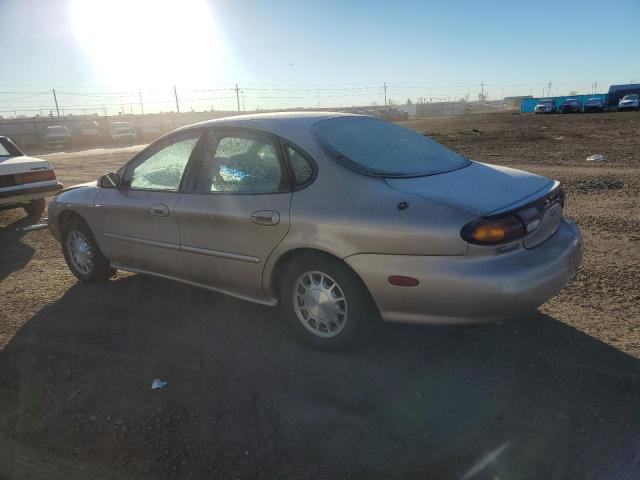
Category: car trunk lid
<point>489,190</point>
<point>22,164</point>
<point>478,188</point>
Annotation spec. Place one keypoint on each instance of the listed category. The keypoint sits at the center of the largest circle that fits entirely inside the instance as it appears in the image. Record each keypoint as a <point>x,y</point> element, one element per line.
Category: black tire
<point>35,208</point>
<point>100,270</point>
<point>362,315</point>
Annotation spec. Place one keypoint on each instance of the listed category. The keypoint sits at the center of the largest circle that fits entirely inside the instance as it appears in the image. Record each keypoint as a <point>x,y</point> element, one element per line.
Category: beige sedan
<point>341,219</point>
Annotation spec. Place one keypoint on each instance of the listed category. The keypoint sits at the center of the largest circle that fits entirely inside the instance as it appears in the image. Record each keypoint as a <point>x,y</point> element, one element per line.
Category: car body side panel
<point>129,234</point>
<point>222,247</point>
<point>343,213</point>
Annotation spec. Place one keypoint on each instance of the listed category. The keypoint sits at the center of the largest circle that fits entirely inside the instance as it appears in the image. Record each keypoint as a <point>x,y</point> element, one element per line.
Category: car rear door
<point>136,224</point>
<point>234,211</point>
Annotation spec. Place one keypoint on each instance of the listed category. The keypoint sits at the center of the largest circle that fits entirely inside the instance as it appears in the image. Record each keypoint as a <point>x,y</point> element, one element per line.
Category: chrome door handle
<point>159,210</point>
<point>265,217</point>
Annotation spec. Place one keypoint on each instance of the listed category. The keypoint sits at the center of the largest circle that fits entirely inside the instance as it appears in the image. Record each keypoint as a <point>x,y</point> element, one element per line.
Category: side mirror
<point>109,180</point>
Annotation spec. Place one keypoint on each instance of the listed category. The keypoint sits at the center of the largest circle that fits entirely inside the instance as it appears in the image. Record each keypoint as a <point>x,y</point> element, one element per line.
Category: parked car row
<point>594,104</point>
<point>85,132</point>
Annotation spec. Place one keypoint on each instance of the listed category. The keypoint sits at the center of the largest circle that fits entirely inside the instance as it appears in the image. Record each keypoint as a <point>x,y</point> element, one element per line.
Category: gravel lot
<point>552,394</point>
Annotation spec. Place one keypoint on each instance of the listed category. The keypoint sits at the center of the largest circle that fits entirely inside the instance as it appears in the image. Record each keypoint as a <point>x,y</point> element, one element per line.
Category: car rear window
<point>380,148</point>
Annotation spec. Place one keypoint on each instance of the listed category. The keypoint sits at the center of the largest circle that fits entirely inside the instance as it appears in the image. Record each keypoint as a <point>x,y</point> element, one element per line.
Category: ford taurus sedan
<point>341,219</point>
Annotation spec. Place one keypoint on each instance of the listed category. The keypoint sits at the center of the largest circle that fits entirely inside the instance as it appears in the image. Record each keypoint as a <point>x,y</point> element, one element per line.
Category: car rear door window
<point>300,166</point>
<point>241,163</point>
<point>163,169</point>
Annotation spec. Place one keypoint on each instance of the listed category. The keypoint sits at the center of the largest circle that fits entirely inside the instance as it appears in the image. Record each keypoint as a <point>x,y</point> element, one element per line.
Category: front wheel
<point>325,303</point>
<point>82,254</point>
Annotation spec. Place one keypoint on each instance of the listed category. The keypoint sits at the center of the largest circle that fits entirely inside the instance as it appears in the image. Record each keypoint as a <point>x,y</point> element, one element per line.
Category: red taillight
<point>17,179</point>
<point>38,176</point>
<point>493,231</point>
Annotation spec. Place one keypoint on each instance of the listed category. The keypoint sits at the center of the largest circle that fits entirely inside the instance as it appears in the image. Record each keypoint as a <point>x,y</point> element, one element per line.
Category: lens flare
<point>148,42</point>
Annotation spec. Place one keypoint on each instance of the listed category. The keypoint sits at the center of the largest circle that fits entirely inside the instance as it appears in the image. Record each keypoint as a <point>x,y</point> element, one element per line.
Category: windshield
<point>381,148</point>
<point>632,96</point>
<point>56,129</point>
<point>3,151</point>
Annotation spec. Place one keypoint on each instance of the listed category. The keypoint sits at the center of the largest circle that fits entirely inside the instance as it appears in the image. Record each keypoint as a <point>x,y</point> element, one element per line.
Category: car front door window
<point>163,170</point>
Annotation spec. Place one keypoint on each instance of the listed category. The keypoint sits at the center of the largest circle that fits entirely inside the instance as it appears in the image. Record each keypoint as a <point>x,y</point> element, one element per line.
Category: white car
<point>24,181</point>
<point>122,130</point>
<point>86,130</point>
<point>56,136</point>
<point>545,106</point>
<point>629,102</point>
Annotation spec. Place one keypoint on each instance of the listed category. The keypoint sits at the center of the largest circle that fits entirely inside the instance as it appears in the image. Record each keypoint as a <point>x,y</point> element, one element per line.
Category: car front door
<point>235,211</point>
<point>136,224</point>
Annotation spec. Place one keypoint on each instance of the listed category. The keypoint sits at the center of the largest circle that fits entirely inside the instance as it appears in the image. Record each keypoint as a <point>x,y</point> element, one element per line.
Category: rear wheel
<point>83,256</point>
<point>34,208</point>
<point>325,303</point>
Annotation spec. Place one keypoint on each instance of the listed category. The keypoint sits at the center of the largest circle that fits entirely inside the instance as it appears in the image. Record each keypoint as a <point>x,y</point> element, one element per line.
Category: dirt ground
<point>552,394</point>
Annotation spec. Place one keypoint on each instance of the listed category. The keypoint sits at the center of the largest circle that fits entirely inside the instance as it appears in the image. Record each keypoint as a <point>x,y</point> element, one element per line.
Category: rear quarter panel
<point>344,213</point>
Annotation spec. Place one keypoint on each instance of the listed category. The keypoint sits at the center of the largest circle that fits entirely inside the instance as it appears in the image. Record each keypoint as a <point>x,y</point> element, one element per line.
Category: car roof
<point>275,122</point>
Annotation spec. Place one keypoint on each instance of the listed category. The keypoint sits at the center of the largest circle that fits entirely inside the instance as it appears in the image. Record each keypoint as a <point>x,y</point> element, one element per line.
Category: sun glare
<point>148,42</point>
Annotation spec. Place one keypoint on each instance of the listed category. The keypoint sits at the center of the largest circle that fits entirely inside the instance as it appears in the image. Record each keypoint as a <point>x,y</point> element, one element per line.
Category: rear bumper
<point>463,289</point>
<point>26,193</point>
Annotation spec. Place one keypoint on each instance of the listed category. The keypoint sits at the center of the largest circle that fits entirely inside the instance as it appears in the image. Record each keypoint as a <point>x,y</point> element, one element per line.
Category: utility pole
<point>238,96</point>
<point>244,109</point>
<point>175,94</point>
<point>595,87</point>
<point>141,105</point>
<point>549,91</point>
<point>482,90</point>
<point>55,99</point>
<point>385,93</point>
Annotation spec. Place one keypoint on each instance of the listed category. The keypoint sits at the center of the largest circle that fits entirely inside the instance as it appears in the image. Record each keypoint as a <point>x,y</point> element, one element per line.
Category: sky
<point>285,53</point>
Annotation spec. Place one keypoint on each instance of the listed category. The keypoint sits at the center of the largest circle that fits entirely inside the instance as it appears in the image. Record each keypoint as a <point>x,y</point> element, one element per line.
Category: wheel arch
<point>287,257</point>
<point>66,217</point>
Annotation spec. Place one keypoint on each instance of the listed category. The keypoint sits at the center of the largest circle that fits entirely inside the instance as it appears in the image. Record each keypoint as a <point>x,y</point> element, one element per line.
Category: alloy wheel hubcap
<point>320,304</point>
<point>80,252</point>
